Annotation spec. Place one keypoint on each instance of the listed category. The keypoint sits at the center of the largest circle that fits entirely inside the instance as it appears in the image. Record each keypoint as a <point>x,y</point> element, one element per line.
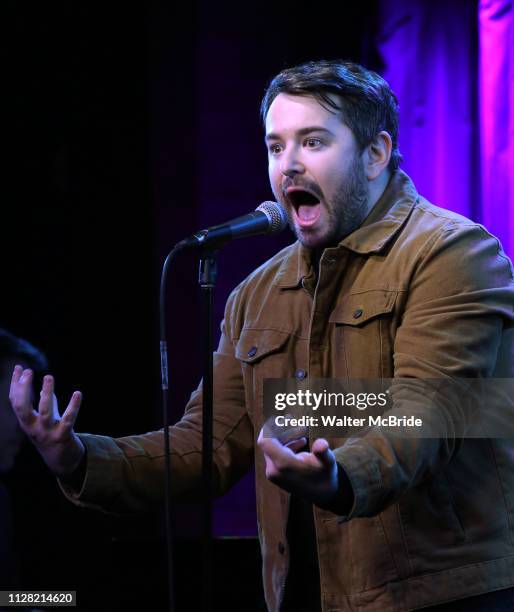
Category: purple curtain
<point>496,96</point>
<point>451,66</point>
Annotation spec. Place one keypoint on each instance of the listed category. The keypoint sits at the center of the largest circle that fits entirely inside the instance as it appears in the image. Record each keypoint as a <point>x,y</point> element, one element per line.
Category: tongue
<point>308,213</point>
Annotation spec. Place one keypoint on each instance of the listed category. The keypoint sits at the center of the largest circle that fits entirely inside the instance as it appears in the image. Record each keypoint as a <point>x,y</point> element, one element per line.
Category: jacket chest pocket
<point>263,353</point>
<point>364,328</point>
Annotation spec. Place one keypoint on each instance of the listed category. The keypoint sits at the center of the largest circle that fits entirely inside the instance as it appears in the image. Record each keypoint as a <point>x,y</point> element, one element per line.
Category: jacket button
<point>358,313</point>
<point>281,548</point>
<point>300,374</point>
<point>252,351</point>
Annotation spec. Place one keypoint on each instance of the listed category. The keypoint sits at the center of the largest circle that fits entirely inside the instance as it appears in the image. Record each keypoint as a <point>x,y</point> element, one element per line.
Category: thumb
<point>321,449</point>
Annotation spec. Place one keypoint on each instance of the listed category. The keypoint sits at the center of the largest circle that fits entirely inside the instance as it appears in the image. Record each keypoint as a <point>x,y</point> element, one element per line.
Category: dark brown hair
<point>368,105</point>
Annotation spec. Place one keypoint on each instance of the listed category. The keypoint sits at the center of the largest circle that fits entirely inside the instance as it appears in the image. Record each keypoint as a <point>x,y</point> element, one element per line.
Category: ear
<point>377,155</point>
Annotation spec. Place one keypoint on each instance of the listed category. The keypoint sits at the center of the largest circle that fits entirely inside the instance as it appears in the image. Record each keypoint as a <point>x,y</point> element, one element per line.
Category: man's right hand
<point>52,434</point>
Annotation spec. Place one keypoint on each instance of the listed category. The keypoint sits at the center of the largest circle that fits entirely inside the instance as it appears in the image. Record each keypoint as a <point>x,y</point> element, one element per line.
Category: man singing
<point>379,284</point>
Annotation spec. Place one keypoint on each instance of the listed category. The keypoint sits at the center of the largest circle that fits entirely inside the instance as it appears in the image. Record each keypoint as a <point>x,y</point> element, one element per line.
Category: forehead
<point>288,113</point>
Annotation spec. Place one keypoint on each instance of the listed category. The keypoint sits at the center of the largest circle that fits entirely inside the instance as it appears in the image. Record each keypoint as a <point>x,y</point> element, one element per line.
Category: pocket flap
<point>359,308</point>
<point>254,344</point>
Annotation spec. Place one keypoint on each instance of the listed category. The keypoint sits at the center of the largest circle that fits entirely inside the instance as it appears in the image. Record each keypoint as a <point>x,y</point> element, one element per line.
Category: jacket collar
<point>381,225</point>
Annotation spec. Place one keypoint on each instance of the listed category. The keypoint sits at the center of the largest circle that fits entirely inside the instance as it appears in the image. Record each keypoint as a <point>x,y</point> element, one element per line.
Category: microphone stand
<point>207,280</point>
<point>268,218</point>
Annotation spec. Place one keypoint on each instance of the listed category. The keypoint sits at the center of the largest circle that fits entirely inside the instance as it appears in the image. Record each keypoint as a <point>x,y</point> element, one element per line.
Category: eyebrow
<point>301,132</point>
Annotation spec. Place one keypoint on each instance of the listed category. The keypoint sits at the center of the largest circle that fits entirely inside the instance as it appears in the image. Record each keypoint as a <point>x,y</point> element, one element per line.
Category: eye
<point>312,143</point>
<point>275,149</point>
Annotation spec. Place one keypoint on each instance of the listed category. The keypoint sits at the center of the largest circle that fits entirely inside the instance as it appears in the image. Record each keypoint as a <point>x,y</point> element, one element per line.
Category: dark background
<point>126,129</point>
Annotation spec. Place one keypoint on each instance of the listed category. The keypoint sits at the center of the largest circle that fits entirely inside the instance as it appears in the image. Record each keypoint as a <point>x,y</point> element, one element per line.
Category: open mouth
<point>306,205</point>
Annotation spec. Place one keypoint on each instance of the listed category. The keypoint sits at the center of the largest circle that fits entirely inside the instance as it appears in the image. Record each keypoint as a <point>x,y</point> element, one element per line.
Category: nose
<point>290,162</point>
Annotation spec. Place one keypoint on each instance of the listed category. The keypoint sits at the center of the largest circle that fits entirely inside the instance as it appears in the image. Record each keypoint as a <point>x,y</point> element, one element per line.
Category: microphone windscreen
<point>276,214</point>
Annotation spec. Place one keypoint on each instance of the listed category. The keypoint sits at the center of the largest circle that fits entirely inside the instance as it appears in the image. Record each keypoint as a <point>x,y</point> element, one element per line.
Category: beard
<point>346,210</point>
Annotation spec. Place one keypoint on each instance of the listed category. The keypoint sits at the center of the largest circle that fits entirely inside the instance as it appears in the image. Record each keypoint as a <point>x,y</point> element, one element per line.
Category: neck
<point>376,188</point>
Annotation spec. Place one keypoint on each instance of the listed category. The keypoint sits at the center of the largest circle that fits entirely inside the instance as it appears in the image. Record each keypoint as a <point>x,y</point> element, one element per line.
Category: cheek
<point>275,180</point>
<point>331,183</point>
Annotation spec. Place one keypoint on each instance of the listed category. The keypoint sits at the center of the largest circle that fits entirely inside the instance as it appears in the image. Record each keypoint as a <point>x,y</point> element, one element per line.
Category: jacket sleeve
<point>126,475</point>
<point>457,323</point>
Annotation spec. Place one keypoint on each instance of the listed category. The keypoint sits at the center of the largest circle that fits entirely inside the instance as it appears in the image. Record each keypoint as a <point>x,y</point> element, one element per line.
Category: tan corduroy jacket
<point>416,292</point>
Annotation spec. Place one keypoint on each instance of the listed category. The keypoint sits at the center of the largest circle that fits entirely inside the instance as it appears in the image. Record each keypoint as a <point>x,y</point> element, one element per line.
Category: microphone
<point>267,218</point>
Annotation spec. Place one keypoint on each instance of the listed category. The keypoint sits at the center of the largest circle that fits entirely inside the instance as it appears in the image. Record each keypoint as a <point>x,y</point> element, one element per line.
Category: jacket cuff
<point>75,480</point>
<point>343,500</point>
<point>363,477</point>
<point>99,468</point>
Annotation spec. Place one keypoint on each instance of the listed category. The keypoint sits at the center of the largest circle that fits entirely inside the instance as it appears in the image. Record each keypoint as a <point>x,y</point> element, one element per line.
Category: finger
<point>46,401</point>
<point>296,445</point>
<point>15,381</point>
<point>16,375</point>
<point>293,433</point>
<point>321,449</point>
<point>269,467</point>
<point>276,451</point>
<point>55,408</point>
<point>72,410</point>
<point>20,394</point>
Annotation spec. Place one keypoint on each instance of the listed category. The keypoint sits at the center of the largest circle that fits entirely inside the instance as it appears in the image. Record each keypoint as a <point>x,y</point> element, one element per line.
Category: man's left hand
<point>312,475</point>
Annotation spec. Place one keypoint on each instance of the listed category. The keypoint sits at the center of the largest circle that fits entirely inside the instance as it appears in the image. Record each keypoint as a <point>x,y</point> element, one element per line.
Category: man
<point>380,284</point>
